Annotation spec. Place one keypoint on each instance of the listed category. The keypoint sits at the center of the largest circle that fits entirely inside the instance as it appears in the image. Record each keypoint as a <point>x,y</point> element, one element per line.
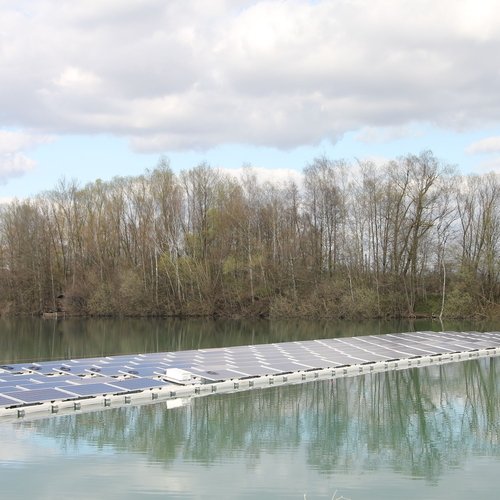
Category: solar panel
<point>8,388</point>
<point>133,384</point>
<point>260,370</point>
<point>5,401</point>
<point>94,379</point>
<point>11,368</point>
<point>44,384</point>
<point>6,368</point>
<point>104,370</point>
<point>7,383</point>
<point>215,375</point>
<point>146,371</point>
<point>39,395</point>
<point>90,389</point>
<point>289,366</point>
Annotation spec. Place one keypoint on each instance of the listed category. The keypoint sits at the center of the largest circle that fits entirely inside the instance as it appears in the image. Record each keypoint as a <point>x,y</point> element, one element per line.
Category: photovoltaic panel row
<point>133,384</point>
<point>442,346</point>
<point>34,382</point>
<point>6,401</point>
<point>90,389</point>
<point>212,375</point>
<point>39,395</point>
<point>44,384</point>
<point>429,343</point>
<point>9,388</point>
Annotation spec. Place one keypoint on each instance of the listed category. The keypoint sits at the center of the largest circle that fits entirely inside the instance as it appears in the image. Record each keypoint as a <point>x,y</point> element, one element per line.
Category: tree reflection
<point>418,422</point>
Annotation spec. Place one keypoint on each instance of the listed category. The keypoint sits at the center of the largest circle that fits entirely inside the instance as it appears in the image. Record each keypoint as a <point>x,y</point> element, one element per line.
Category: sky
<point>94,89</point>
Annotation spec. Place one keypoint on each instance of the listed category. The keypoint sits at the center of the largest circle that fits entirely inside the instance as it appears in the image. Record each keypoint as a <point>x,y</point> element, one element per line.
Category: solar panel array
<point>33,383</point>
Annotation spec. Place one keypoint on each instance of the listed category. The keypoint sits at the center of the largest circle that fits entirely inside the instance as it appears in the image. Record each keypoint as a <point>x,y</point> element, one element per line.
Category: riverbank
<point>280,310</point>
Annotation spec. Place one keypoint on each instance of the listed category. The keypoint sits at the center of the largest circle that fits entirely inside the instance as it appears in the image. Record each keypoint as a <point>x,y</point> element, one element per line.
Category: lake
<point>427,433</point>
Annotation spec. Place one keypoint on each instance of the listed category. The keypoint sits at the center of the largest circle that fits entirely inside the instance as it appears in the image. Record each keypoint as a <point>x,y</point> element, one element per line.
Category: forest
<point>409,237</point>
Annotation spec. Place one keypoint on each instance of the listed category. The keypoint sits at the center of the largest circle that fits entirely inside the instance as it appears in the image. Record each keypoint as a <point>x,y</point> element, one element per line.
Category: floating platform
<point>75,385</point>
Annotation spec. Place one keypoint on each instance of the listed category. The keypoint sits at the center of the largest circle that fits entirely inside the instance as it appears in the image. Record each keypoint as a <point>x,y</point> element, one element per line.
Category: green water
<point>431,433</point>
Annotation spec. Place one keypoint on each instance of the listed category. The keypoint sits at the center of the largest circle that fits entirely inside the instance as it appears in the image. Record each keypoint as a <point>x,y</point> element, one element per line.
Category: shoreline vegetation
<point>407,238</point>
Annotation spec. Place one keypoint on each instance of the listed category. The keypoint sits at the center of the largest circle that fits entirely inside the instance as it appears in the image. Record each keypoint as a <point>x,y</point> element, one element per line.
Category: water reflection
<point>418,423</point>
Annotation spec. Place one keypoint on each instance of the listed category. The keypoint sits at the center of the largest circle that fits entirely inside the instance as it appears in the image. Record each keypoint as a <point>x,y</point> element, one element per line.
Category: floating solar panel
<point>5,401</point>
<point>94,379</point>
<point>91,389</point>
<point>106,370</point>
<point>31,383</point>
<point>8,388</point>
<point>44,384</point>
<point>134,384</point>
<point>288,366</point>
<point>146,371</point>
<point>216,375</point>
<point>7,383</point>
<point>39,395</point>
<point>183,366</point>
<point>251,370</point>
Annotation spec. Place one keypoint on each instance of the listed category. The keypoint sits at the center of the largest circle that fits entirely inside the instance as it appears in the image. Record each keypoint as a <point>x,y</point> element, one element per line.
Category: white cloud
<point>13,144</point>
<point>487,145</point>
<point>14,165</point>
<point>490,165</point>
<point>386,134</point>
<point>190,74</point>
<point>478,19</point>
<point>14,141</point>
<point>75,79</point>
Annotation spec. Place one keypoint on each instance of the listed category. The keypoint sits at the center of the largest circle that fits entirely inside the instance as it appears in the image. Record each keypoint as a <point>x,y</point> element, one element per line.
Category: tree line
<point>404,238</point>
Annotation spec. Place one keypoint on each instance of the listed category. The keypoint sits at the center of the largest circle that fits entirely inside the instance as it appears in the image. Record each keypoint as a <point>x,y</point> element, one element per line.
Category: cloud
<point>76,80</point>
<point>14,165</point>
<point>386,134</point>
<point>490,165</point>
<point>187,74</point>
<point>14,141</point>
<point>13,161</point>
<point>487,145</point>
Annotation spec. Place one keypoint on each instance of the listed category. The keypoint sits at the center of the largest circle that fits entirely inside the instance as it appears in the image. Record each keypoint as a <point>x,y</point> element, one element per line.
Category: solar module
<point>6,401</point>
<point>134,384</point>
<point>6,383</point>
<point>90,389</point>
<point>8,388</point>
<point>216,375</point>
<point>45,384</point>
<point>4,369</point>
<point>39,395</point>
<point>288,366</point>
<point>144,371</point>
<point>105,370</point>
<point>92,379</point>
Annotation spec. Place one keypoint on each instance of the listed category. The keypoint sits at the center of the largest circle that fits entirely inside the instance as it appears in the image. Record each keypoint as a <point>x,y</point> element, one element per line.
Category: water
<point>431,433</point>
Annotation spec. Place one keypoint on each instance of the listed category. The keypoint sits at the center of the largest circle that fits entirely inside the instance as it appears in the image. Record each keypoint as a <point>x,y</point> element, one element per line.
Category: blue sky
<point>100,89</point>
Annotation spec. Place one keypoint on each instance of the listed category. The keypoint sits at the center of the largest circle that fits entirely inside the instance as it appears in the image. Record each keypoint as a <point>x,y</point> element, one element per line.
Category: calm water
<point>431,433</point>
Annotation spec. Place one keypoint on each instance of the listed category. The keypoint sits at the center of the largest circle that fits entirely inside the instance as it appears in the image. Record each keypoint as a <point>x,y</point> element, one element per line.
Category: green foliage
<point>100,301</point>
<point>131,297</point>
<point>361,303</point>
<point>461,304</point>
